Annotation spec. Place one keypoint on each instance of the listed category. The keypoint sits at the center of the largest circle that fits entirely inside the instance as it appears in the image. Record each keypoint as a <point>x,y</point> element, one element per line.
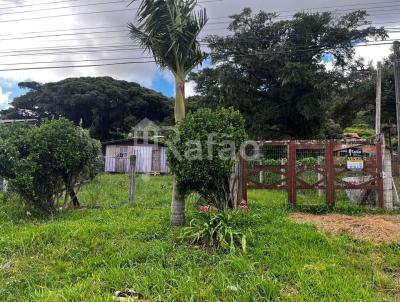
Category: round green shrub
<point>42,163</point>
<point>203,150</point>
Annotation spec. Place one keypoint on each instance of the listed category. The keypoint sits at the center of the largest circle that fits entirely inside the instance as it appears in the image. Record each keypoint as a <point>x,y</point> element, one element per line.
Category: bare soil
<point>376,228</point>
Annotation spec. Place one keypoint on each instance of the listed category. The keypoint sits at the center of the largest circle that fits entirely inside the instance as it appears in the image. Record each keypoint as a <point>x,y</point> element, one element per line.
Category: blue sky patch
<point>9,90</point>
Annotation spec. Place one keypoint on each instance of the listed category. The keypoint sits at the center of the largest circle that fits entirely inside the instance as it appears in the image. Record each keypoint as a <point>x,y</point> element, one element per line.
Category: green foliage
<point>215,231</point>
<point>205,167</point>
<point>283,161</point>
<point>88,255</point>
<point>281,91</point>
<point>108,108</point>
<point>363,131</point>
<point>44,162</point>
<point>355,102</point>
<point>169,30</point>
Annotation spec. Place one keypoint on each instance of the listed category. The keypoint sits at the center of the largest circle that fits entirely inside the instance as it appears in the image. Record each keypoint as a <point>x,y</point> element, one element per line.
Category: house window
<point>122,152</point>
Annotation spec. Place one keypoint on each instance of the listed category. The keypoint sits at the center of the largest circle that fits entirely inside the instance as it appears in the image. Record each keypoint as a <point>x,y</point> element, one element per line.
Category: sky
<point>50,33</point>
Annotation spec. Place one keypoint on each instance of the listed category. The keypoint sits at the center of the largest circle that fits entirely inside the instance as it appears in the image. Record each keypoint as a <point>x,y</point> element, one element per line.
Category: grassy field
<point>86,255</point>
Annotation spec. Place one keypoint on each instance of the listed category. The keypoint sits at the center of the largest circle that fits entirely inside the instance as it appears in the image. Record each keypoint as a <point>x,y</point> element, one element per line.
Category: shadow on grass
<point>344,208</point>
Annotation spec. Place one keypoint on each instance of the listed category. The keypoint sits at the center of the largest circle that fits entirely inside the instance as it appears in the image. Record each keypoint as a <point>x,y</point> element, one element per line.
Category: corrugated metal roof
<point>134,140</point>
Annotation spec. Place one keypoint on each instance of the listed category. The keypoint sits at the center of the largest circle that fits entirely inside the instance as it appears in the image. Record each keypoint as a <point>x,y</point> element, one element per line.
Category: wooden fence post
<point>243,164</point>
<point>132,179</point>
<point>379,171</point>
<point>235,183</point>
<point>291,173</point>
<point>330,174</point>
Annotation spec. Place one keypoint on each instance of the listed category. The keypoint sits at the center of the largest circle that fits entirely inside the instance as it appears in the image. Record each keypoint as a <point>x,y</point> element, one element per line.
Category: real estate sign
<point>355,159</point>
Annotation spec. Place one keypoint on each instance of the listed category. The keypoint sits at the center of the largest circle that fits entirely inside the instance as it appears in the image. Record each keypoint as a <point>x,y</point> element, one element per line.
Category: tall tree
<point>108,108</point>
<point>356,92</point>
<point>169,29</point>
<point>274,71</point>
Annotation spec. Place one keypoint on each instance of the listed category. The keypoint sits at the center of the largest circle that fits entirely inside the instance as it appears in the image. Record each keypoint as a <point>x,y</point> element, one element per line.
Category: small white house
<point>151,157</point>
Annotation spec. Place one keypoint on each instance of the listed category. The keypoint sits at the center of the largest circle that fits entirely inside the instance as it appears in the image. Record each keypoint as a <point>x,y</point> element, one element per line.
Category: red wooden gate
<point>312,165</point>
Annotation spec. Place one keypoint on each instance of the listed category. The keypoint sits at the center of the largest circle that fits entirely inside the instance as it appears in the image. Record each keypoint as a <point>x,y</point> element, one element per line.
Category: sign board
<point>355,160</point>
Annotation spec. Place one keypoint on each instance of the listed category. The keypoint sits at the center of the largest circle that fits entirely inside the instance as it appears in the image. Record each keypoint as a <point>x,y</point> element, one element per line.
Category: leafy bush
<point>215,230</point>
<point>199,169</point>
<point>45,162</point>
<point>364,131</point>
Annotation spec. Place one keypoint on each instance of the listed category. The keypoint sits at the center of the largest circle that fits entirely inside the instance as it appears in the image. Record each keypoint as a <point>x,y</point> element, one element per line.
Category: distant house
<point>146,129</point>
<point>151,157</point>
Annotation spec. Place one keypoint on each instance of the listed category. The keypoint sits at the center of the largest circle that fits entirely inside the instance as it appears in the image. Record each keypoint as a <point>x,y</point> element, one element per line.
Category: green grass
<point>86,255</point>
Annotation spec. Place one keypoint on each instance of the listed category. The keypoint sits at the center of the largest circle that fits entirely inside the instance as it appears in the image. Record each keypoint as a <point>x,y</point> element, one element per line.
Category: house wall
<point>143,158</point>
<point>3,184</point>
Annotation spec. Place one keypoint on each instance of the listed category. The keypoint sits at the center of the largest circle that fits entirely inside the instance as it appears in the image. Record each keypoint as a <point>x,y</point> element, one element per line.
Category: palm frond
<point>169,29</point>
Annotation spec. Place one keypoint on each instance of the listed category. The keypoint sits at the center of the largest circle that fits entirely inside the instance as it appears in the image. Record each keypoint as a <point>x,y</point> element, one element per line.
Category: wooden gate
<point>313,165</point>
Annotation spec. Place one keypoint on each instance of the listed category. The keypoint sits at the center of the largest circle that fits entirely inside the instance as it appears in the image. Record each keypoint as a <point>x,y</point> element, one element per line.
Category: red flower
<point>244,205</point>
<point>204,209</point>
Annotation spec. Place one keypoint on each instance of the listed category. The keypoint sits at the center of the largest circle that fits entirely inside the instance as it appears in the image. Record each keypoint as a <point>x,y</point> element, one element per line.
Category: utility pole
<point>396,46</point>
<point>378,128</point>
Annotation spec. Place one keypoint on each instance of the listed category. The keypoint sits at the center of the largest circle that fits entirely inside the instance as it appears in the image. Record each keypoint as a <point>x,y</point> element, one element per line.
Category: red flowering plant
<point>244,205</point>
<point>205,209</point>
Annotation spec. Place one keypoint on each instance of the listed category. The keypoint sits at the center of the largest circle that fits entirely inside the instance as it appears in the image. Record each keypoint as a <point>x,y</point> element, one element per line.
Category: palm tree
<point>169,29</point>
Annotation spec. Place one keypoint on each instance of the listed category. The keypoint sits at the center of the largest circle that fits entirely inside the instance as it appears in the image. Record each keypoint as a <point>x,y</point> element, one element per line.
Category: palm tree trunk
<point>178,201</point>
<point>177,206</point>
<point>180,111</point>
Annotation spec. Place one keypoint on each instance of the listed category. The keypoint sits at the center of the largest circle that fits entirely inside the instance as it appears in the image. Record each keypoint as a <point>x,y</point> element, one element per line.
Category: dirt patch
<point>378,229</point>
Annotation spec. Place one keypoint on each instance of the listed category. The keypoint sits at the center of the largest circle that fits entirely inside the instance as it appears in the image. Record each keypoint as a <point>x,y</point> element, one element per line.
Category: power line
<point>127,36</point>
<point>257,53</point>
<point>55,50</point>
<point>222,17</point>
<point>62,30</point>
<point>76,66</point>
<point>80,66</point>
<point>37,4</point>
<point>29,1</point>
<point>85,13</point>
<point>376,9</point>
<point>123,1</point>
<point>69,34</point>
<point>62,7</point>
<point>393,30</point>
<point>72,52</point>
<point>65,7</point>
<point>123,36</point>
<point>97,46</point>
<point>75,61</point>
<point>99,32</point>
<point>334,7</point>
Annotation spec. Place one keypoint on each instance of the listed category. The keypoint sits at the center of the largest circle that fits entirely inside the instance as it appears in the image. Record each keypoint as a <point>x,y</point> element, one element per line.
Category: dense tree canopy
<point>108,107</point>
<point>273,70</point>
<point>44,163</point>
<point>354,102</point>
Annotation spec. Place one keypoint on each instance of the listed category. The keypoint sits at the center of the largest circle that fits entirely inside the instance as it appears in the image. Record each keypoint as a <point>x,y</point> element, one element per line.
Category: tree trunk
<point>178,201</point>
<point>180,111</point>
<point>177,206</point>
<point>74,198</point>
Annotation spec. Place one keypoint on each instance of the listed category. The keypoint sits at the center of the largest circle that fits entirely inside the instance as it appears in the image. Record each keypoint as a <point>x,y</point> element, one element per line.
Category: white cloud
<point>190,89</point>
<point>4,98</point>
<point>142,73</point>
